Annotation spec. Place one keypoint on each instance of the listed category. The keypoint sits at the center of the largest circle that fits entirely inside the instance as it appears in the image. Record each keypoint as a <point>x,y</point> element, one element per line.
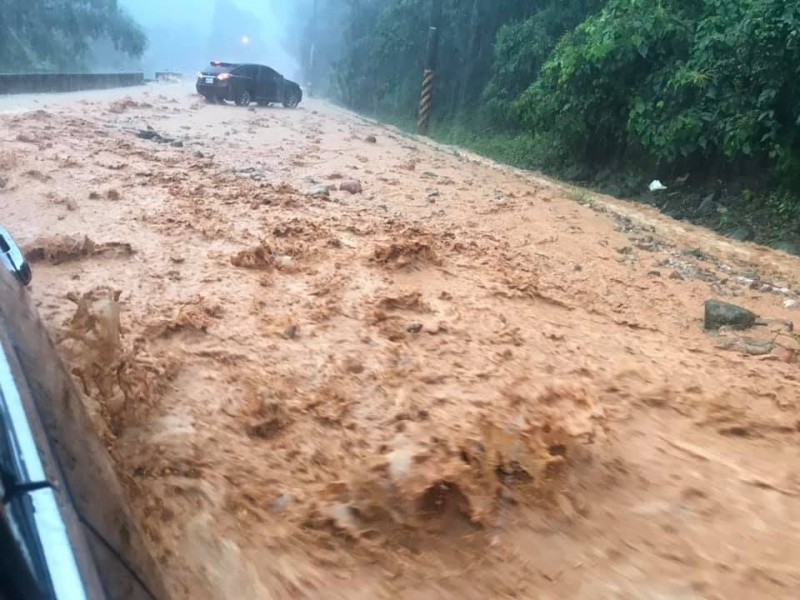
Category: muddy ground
<point>330,361</point>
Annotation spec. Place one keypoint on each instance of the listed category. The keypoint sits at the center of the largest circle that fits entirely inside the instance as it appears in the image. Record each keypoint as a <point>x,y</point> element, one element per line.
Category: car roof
<point>227,65</point>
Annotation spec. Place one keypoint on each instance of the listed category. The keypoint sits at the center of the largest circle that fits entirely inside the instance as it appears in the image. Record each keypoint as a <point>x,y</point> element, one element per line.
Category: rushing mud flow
<point>330,361</point>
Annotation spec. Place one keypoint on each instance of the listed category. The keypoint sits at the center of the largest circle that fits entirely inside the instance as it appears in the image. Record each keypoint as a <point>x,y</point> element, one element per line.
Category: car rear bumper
<point>213,90</point>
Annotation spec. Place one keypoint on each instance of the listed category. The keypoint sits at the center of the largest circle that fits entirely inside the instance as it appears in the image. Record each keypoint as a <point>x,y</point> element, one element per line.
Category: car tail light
<point>224,76</point>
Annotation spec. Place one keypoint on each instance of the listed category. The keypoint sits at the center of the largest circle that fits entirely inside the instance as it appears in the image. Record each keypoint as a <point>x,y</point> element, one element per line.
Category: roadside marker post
<point>428,76</point>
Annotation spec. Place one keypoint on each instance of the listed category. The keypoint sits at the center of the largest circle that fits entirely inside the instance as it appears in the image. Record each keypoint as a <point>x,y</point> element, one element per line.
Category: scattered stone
<point>3,182</point>
<point>94,196</point>
<point>112,195</point>
<point>707,207</point>
<point>742,234</point>
<point>199,154</point>
<point>353,186</point>
<point>578,268</point>
<point>747,346</point>
<point>320,191</point>
<point>147,134</point>
<point>177,144</point>
<point>791,304</point>
<point>721,314</point>
<point>414,328</point>
<point>152,135</point>
<point>371,139</point>
<point>290,332</point>
<point>654,273</point>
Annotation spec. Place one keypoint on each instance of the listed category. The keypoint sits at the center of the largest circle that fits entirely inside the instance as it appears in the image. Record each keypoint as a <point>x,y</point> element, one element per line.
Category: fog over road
<point>331,360</point>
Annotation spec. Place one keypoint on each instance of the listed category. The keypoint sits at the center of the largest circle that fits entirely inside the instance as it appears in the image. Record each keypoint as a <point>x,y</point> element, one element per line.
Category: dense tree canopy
<point>699,84</point>
<point>57,35</point>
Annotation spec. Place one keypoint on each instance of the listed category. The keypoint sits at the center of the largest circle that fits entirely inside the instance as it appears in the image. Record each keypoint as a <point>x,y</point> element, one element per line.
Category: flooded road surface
<point>333,361</point>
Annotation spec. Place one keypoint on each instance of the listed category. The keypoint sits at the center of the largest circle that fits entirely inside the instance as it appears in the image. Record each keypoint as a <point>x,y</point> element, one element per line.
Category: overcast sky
<point>180,33</point>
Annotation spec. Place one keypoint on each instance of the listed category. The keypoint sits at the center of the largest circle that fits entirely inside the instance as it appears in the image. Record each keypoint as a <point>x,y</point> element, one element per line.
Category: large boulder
<point>721,314</point>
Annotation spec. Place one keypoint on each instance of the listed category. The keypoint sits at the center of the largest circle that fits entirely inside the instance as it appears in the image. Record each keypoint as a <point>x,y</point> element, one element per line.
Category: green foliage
<point>592,83</point>
<point>522,48</point>
<point>385,41</point>
<point>705,83</point>
<point>56,35</point>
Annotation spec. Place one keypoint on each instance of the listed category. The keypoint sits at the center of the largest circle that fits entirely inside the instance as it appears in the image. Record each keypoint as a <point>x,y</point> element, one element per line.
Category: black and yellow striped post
<point>425,102</point>
<point>426,99</point>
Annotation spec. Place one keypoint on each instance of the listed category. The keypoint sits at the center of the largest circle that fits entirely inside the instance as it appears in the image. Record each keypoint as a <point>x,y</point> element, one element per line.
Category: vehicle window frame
<point>249,71</point>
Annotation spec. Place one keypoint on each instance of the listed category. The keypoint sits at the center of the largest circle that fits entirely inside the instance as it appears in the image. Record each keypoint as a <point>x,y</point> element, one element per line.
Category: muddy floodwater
<point>333,361</point>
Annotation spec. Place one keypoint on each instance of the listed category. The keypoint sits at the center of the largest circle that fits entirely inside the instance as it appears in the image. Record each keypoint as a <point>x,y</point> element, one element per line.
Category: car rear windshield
<point>216,70</point>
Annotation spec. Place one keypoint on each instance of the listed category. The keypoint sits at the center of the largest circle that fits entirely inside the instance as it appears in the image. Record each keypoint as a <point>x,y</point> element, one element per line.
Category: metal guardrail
<point>28,83</point>
<point>168,76</point>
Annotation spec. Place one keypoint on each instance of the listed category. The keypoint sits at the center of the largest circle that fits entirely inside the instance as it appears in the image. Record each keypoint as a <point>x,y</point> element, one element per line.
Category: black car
<point>65,531</point>
<point>247,83</point>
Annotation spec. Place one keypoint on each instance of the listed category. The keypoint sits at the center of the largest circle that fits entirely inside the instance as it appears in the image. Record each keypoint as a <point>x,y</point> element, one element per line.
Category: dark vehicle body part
<point>65,530</point>
<point>247,83</point>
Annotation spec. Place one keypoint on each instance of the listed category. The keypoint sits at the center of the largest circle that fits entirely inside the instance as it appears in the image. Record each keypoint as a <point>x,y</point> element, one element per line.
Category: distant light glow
<point>245,40</point>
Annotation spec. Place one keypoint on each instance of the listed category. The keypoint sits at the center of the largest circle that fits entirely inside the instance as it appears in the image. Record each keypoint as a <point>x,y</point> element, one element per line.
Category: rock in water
<point>721,314</point>
<point>319,191</point>
<point>743,234</point>
<point>353,186</point>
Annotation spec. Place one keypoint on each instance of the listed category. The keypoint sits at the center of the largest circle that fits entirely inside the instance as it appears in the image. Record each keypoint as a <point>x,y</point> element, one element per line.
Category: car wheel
<point>210,99</point>
<point>220,99</point>
<point>292,99</point>
<point>244,99</point>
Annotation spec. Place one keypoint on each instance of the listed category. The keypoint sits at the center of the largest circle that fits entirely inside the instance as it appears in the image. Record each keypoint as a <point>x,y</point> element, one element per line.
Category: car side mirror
<point>12,258</point>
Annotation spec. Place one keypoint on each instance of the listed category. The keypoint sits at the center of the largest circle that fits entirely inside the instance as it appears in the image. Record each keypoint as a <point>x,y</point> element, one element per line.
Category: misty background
<point>183,35</point>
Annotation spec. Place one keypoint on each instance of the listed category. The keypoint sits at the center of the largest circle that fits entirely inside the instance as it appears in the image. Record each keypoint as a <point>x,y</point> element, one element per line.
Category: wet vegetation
<point>59,35</point>
<point>702,94</point>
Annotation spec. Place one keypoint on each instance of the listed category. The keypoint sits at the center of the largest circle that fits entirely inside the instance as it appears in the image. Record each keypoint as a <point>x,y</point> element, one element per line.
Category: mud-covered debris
<point>745,345</point>
<point>121,381</point>
<point>151,134</point>
<point>125,104</point>
<point>411,301</point>
<point>61,249</point>
<point>428,484</point>
<point>195,316</point>
<point>319,191</point>
<point>259,257</point>
<point>722,314</point>
<point>38,175</point>
<point>352,185</point>
<point>407,254</point>
<point>265,417</point>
